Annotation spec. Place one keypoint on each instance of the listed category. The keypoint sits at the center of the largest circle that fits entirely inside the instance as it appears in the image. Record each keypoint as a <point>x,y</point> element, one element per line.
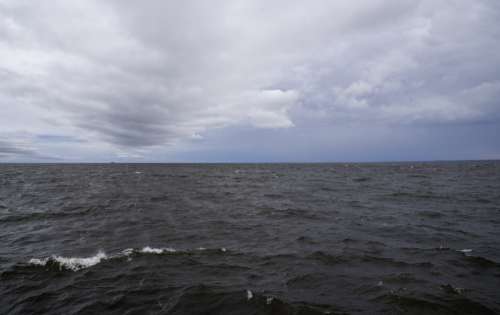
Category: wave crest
<point>78,263</point>
<point>70,263</point>
<point>152,250</point>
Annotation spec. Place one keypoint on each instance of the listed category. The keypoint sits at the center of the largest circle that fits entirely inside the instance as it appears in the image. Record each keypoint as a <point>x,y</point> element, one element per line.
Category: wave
<point>151,250</point>
<point>202,299</point>
<point>78,263</point>
<point>418,195</point>
<point>71,263</point>
<point>63,213</point>
<point>429,304</point>
<point>429,214</point>
<point>361,179</point>
<point>34,216</point>
<point>481,261</point>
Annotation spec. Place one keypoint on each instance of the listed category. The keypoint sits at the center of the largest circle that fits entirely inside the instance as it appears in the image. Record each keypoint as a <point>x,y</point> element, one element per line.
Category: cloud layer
<point>97,80</point>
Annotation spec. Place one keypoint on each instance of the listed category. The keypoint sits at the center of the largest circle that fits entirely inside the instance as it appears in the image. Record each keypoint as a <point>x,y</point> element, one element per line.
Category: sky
<point>249,81</point>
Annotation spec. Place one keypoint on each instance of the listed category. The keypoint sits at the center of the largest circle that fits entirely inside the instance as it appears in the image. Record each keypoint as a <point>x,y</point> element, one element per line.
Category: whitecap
<point>128,251</point>
<point>249,295</point>
<point>465,250</point>
<point>38,262</point>
<point>71,263</point>
<point>78,263</point>
<point>152,250</point>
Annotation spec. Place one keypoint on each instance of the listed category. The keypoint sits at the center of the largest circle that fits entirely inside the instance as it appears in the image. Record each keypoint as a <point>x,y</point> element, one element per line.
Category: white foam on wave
<point>128,251</point>
<point>465,250</point>
<point>152,250</point>
<point>38,262</point>
<point>78,263</point>
<point>71,263</point>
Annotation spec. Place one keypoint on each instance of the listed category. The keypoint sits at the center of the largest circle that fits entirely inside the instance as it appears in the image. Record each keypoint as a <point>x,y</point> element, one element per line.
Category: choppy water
<point>416,238</point>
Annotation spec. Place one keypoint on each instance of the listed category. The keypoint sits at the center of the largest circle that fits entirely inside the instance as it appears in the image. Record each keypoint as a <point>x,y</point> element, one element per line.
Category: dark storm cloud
<point>126,76</point>
<point>10,149</point>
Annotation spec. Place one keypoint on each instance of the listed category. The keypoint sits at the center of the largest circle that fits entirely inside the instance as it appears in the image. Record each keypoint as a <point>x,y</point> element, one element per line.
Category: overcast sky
<point>205,81</point>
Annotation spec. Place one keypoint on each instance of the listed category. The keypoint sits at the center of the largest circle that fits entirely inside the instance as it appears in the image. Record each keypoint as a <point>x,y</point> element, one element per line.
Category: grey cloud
<point>11,149</point>
<point>57,138</point>
<point>128,75</point>
<point>422,69</point>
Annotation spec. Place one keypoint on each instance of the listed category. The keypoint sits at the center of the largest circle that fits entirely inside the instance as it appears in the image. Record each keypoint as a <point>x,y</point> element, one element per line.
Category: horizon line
<point>260,162</point>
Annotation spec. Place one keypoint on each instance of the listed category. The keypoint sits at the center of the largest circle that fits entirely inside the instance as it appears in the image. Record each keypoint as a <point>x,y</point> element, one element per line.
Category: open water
<point>389,238</point>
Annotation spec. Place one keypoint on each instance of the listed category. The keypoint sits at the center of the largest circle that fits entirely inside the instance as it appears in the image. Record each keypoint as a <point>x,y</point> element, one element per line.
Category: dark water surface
<point>400,238</point>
